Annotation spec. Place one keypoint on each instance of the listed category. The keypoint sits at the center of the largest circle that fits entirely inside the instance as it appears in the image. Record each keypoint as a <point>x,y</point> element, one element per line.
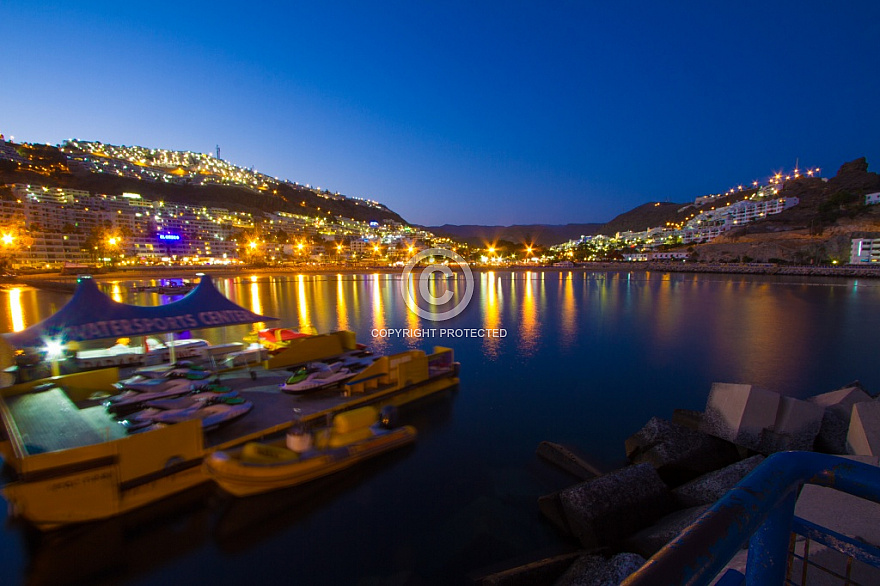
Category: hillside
<point>535,234</point>
<point>648,215</point>
<point>823,203</point>
<point>818,230</point>
<point>47,165</point>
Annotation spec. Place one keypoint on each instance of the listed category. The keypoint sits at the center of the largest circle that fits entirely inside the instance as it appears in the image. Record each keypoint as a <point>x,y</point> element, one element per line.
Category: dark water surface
<point>588,359</point>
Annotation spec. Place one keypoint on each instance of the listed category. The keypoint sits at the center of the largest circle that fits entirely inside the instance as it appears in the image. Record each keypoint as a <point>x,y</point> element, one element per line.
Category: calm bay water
<point>587,360</point>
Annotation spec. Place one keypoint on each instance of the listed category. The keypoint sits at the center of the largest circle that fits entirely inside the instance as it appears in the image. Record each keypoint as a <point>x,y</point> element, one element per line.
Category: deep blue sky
<point>461,111</point>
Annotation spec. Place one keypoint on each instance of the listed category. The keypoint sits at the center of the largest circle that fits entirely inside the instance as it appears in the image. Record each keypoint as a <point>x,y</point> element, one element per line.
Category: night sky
<point>461,111</point>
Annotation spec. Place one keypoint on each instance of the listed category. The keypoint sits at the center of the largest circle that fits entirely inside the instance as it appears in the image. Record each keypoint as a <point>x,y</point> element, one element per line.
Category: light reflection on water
<point>16,315</point>
<point>589,357</point>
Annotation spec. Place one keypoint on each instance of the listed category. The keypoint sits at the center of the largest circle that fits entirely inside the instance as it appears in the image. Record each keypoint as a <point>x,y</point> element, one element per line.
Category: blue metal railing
<point>759,510</point>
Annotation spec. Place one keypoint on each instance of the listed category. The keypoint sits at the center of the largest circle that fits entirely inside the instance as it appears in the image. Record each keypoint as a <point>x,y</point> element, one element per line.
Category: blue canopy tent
<point>92,315</point>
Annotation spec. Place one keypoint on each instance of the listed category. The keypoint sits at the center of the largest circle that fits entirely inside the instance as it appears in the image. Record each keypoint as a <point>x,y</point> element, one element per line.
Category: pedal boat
<point>302,456</point>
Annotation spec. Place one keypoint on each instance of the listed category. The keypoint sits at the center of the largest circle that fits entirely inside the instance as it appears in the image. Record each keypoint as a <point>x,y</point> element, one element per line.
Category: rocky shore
<point>678,468</point>
<point>848,271</point>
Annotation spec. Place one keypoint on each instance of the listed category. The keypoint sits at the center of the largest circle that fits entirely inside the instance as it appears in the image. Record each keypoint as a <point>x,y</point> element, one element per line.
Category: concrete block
<point>796,426</point>
<point>649,541</point>
<point>863,437</point>
<point>841,511</point>
<point>607,509</point>
<point>568,460</point>
<point>594,570</point>
<point>551,507</point>
<point>544,571</point>
<point>739,413</point>
<point>844,513</point>
<point>837,407</point>
<point>687,418</point>
<point>708,488</point>
<point>678,453</point>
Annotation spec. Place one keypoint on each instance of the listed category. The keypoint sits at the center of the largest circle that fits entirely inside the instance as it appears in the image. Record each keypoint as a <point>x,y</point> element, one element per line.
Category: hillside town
<point>46,224</point>
<point>53,227</point>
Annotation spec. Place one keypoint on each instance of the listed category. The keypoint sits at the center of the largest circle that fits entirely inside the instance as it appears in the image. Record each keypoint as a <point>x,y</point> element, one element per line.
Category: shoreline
<point>845,271</point>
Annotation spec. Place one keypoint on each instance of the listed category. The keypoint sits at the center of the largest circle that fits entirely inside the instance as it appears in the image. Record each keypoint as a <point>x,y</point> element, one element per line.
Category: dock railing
<point>760,511</point>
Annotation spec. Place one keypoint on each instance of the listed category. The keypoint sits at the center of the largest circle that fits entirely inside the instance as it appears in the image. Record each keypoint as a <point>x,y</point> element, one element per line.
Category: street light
<point>112,242</point>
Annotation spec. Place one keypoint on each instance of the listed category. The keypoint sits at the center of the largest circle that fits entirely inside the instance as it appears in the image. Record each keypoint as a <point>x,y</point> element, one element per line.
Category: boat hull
<point>242,479</point>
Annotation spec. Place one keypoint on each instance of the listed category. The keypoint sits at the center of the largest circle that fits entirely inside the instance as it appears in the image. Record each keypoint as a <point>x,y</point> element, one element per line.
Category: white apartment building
<point>865,250</point>
<point>872,199</point>
<point>647,256</point>
<point>743,212</point>
<point>59,222</point>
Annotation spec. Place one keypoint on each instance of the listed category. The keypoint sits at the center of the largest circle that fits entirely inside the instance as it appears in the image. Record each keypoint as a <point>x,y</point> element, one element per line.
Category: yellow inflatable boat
<point>353,437</point>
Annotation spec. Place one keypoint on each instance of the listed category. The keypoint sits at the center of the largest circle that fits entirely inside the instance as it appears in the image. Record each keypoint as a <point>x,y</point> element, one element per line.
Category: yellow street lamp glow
<point>412,248</point>
<point>111,241</point>
<point>7,239</point>
<point>253,244</point>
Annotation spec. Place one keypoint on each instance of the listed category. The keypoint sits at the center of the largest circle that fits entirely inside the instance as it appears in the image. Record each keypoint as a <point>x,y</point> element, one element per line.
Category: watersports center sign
<point>141,326</point>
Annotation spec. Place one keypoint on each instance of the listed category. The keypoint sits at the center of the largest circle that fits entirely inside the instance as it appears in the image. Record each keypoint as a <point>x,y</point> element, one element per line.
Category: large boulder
<point>710,487</point>
<point>678,453</point>
<point>650,540</point>
<point>607,509</point>
<point>863,438</point>
<point>594,570</point>
<point>835,420</point>
<point>740,413</point>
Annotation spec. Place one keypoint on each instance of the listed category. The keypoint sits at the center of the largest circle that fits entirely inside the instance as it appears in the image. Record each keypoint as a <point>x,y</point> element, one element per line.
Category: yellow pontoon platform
<point>75,463</point>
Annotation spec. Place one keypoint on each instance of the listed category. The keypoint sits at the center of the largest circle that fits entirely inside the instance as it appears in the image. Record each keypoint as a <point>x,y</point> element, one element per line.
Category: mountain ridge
<point>531,234</point>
